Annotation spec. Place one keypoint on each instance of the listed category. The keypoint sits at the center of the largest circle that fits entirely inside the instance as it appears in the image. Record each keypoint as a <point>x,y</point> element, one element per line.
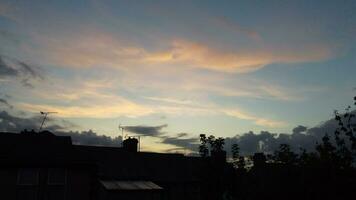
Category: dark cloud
<point>327,127</point>
<point>26,73</point>
<point>181,141</point>
<point>182,134</point>
<point>189,143</point>
<point>30,70</point>
<point>146,130</point>
<point>6,70</point>
<point>6,103</point>
<point>91,138</point>
<point>265,141</point>
<point>299,129</point>
<point>301,137</point>
<point>269,142</point>
<point>10,123</point>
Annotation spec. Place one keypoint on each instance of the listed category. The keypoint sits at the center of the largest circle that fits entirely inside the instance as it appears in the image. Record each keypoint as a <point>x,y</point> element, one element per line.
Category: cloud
<point>6,103</point>
<point>6,70</point>
<point>182,135</point>
<point>301,137</point>
<point>100,49</point>
<point>265,141</point>
<point>268,142</point>
<point>257,120</point>
<point>91,138</point>
<point>12,68</point>
<point>181,141</point>
<point>11,123</point>
<point>116,106</point>
<point>114,109</point>
<point>170,100</point>
<point>30,70</point>
<point>237,61</point>
<point>96,99</point>
<point>146,130</point>
<point>299,129</point>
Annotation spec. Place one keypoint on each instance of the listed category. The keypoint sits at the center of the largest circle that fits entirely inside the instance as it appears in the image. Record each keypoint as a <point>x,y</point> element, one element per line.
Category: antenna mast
<point>44,118</point>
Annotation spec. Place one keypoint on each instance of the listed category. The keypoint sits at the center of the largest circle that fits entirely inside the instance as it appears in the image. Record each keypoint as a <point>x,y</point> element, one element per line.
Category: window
<point>56,184</point>
<point>27,181</point>
<point>28,176</point>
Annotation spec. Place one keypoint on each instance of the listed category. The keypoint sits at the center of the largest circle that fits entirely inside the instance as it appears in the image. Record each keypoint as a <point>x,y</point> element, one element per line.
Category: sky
<point>177,69</point>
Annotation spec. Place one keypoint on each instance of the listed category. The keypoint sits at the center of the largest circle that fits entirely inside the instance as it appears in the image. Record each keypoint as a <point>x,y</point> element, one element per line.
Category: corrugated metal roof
<point>130,185</point>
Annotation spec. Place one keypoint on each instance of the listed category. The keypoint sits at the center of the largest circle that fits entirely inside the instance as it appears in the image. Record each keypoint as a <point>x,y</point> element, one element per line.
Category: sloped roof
<point>130,185</point>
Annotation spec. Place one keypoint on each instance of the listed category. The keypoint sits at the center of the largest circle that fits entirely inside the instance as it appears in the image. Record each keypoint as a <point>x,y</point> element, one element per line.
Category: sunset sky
<point>181,67</point>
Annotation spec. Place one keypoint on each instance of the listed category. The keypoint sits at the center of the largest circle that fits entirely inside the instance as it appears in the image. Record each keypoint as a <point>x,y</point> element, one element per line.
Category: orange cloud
<point>202,56</point>
<point>257,120</point>
<point>124,108</point>
<point>104,50</point>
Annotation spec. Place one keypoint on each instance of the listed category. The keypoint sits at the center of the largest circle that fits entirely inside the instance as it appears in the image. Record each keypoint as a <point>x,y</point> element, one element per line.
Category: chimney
<point>130,144</point>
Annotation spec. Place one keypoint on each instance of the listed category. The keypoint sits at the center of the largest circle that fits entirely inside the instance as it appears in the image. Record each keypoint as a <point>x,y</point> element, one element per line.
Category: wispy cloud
<point>130,109</point>
<point>143,130</point>
<point>105,50</point>
<point>123,108</point>
<point>170,100</point>
<point>13,68</point>
<point>6,103</point>
<point>257,120</point>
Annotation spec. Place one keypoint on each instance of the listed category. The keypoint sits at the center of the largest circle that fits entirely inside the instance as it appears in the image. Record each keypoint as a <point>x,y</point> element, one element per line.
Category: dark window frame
<point>49,182</point>
<point>28,184</point>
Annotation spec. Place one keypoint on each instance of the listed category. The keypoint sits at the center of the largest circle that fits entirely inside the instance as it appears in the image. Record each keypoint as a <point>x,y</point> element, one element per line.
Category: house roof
<point>30,148</point>
<point>111,162</point>
<point>130,185</point>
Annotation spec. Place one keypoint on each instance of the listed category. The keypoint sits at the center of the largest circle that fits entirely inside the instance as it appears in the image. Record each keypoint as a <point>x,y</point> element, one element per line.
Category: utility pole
<point>44,118</point>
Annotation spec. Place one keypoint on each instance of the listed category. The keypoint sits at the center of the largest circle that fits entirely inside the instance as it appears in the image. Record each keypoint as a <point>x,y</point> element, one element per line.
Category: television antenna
<point>45,114</point>
<point>122,128</point>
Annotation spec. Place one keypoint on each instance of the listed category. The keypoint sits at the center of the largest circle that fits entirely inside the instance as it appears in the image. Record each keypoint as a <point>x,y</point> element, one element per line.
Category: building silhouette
<point>43,166</point>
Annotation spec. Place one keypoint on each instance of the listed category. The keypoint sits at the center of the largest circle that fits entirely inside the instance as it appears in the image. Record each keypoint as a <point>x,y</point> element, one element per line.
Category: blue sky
<point>220,67</point>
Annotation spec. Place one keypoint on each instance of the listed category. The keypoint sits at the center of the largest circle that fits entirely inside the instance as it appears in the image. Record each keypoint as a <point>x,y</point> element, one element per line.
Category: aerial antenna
<point>122,128</point>
<point>45,114</point>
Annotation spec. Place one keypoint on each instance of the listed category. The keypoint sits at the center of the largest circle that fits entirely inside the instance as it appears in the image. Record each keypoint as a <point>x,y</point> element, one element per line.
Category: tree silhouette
<point>237,160</point>
<point>203,148</point>
<point>285,155</point>
<point>327,151</point>
<point>235,152</point>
